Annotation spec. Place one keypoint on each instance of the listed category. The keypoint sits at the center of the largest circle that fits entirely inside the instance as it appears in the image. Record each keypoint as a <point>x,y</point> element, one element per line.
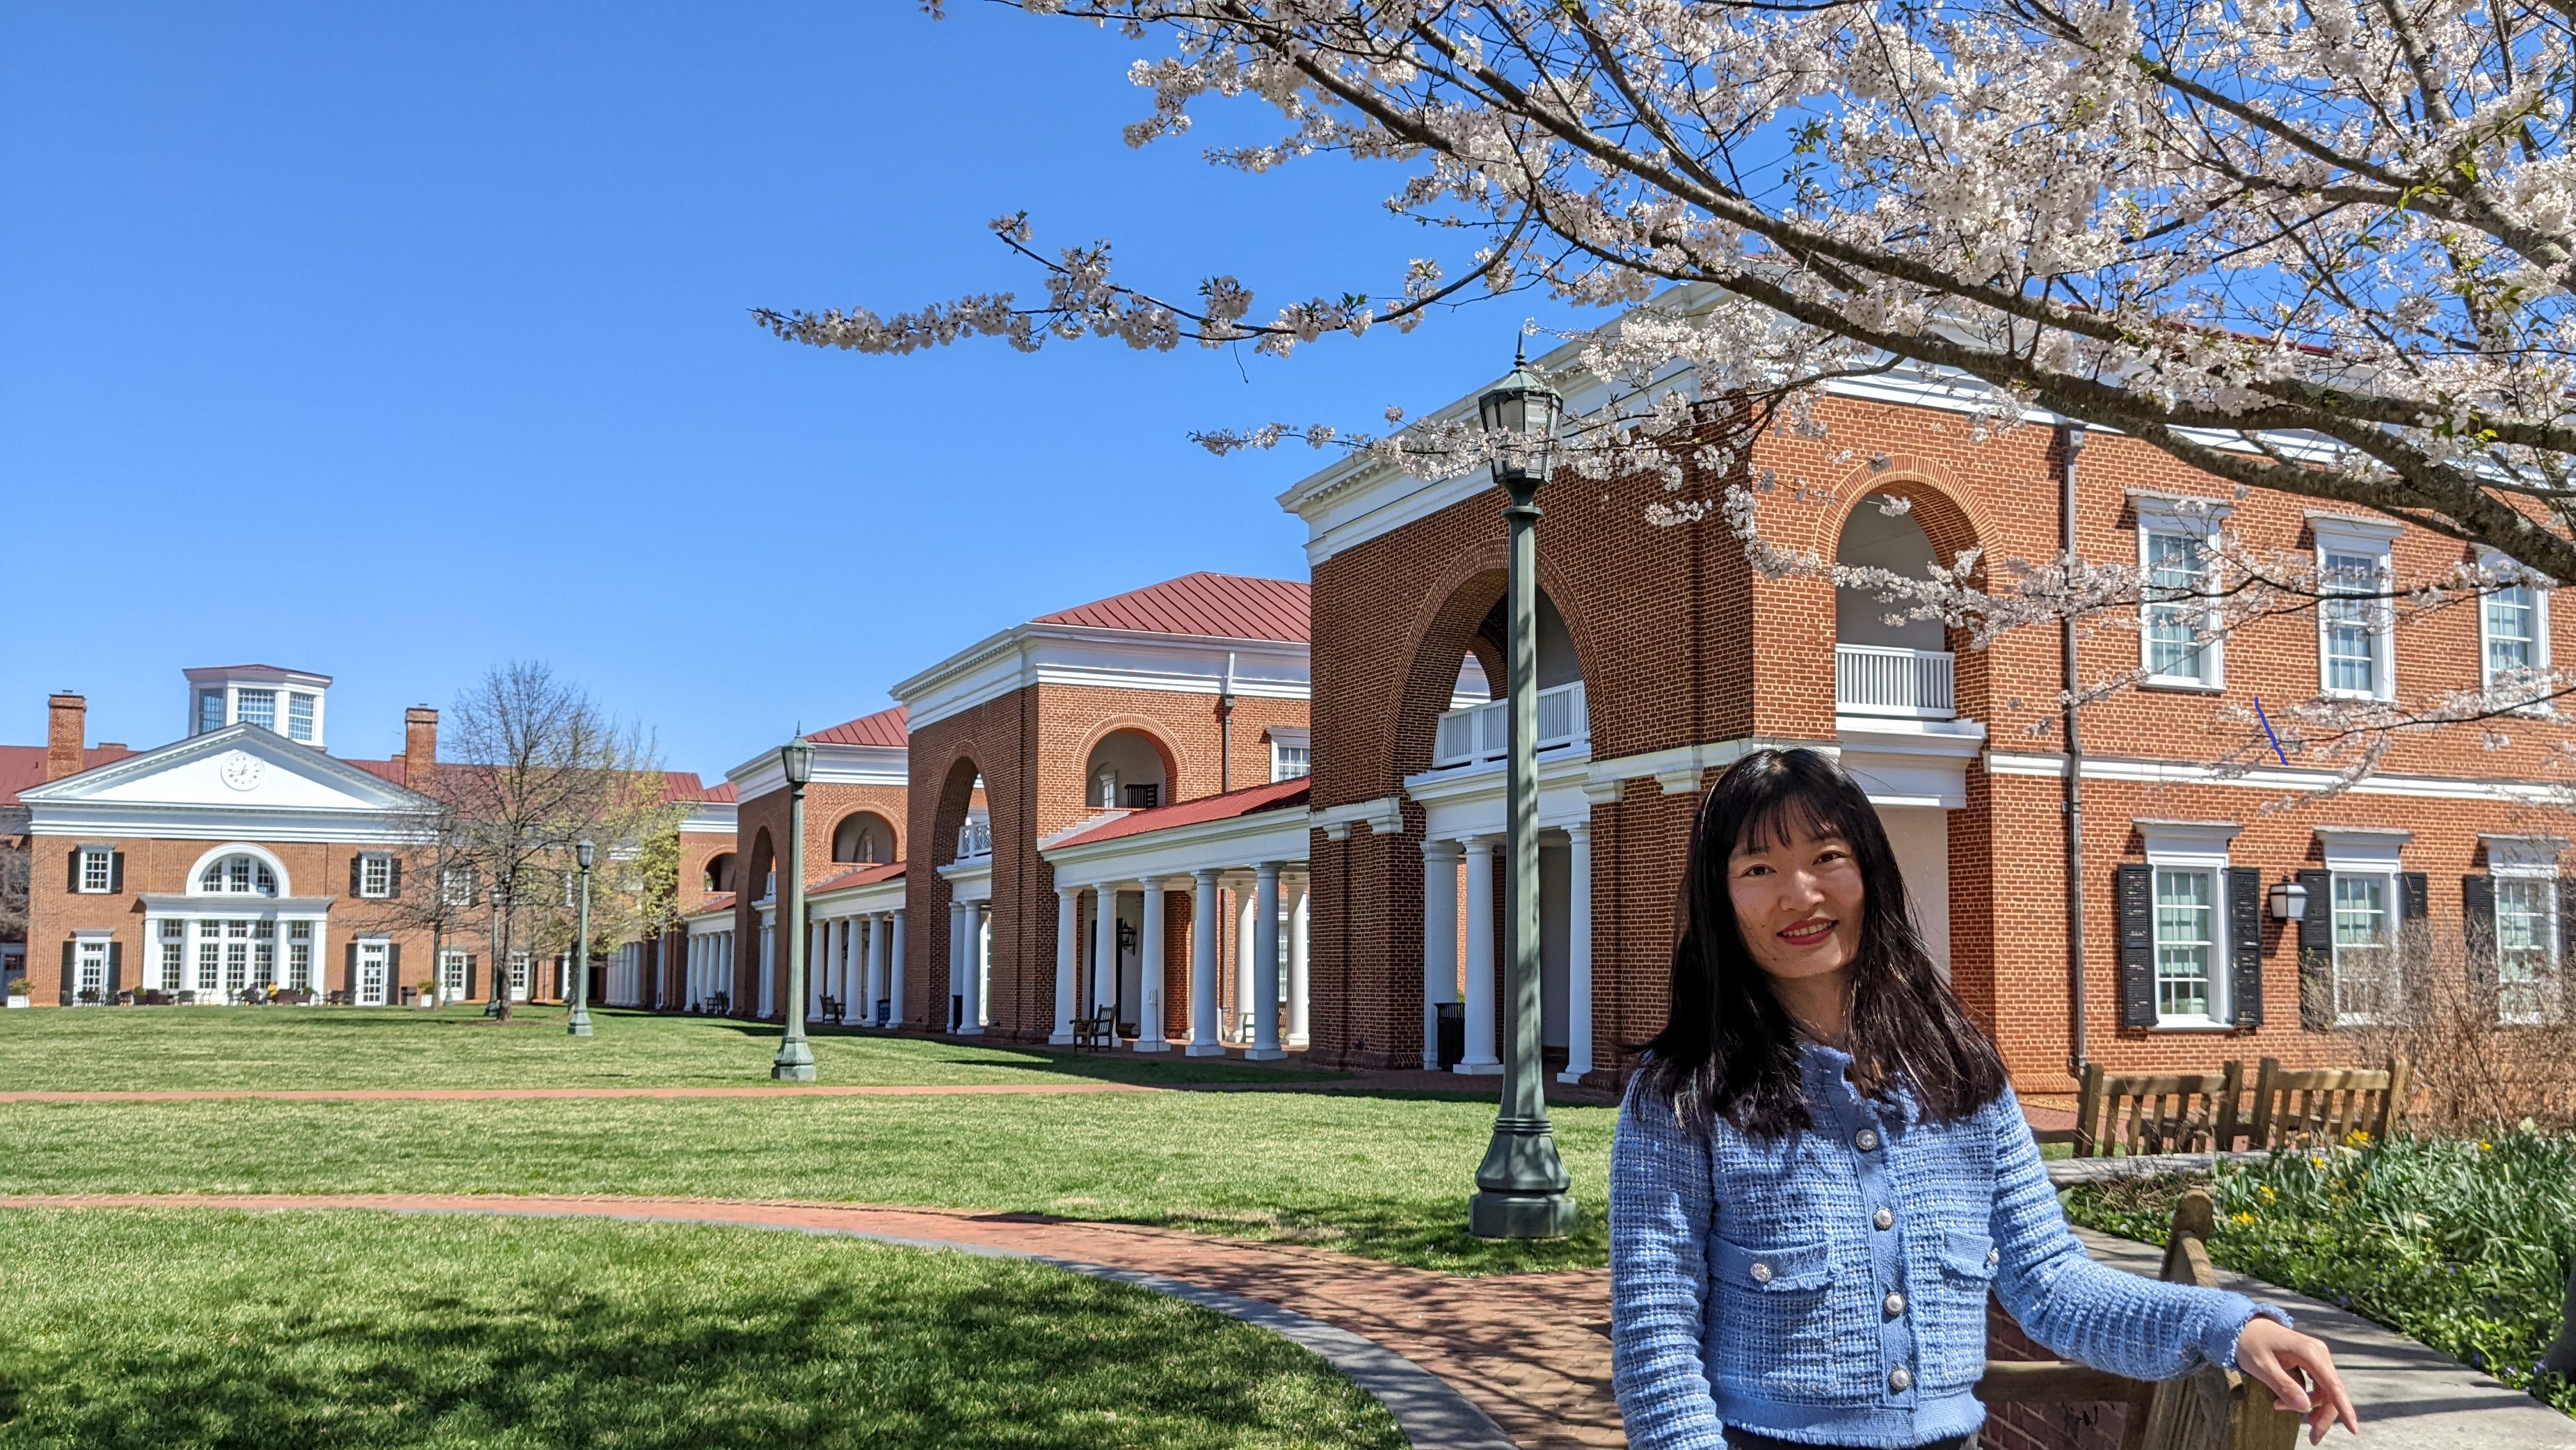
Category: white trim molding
<point>1383,816</point>
<point>1111,659</point>
<point>2183,772</point>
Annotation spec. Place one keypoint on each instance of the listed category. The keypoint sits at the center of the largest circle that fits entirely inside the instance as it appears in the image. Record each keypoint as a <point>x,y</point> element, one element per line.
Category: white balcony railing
<point>1484,732</point>
<point>975,839</point>
<point>1911,684</point>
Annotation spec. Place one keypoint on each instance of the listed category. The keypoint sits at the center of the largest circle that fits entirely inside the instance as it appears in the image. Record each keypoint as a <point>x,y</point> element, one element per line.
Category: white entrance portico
<point>1125,867</point>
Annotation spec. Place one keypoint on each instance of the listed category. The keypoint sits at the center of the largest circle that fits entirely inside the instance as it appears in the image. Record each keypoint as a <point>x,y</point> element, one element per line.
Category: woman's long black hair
<point>1730,1049</point>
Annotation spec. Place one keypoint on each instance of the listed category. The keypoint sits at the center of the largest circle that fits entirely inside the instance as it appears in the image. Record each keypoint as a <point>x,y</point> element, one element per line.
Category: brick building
<point>1646,692</point>
<point>856,814</point>
<point>1189,688</point>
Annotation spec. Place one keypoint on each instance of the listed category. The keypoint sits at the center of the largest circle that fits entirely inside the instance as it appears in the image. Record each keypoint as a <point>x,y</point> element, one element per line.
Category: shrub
<point>2463,1244</point>
<point>17,988</point>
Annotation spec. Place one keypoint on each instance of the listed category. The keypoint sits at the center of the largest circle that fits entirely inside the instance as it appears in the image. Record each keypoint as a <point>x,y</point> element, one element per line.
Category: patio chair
<point>2208,1409</point>
<point>2325,1106</point>
<point>2192,1112</point>
<point>831,1011</point>
<point>1095,1031</point>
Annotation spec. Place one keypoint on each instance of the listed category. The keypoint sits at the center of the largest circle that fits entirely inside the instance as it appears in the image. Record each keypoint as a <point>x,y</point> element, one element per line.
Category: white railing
<point>975,839</point>
<point>1484,732</point>
<point>1912,684</point>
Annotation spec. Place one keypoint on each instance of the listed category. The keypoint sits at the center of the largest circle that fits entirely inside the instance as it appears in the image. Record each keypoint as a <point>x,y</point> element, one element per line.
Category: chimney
<point>420,743</point>
<point>66,728</point>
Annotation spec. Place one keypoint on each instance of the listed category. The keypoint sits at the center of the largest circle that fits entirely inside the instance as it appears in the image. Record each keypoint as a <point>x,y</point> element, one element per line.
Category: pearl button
<point>1884,1218</point>
<point>1898,1378</point>
<point>1866,1140</point>
<point>1761,1273</point>
<point>1994,1257</point>
<point>1894,1303</point>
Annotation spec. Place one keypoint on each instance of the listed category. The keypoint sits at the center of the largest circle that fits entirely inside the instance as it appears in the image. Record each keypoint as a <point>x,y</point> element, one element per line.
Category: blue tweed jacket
<point>1830,1287</point>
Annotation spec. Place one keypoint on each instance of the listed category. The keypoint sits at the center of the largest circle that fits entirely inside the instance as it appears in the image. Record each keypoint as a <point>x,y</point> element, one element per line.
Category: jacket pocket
<point>1969,1255</point>
<point>1778,1269</point>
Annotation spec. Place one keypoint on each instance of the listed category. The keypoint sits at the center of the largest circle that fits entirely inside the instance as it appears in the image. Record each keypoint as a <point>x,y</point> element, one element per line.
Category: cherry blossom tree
<point>2321,248</point>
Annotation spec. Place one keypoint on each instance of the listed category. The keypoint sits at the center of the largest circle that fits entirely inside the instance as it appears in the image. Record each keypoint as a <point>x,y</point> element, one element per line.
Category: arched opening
<point>1126,771</point>
<point>1882,534</point>
<point>760,880</point>
<point>720,872</point>
<point>1472,727</point>
<point>239,874</point>
<point>863,838</point>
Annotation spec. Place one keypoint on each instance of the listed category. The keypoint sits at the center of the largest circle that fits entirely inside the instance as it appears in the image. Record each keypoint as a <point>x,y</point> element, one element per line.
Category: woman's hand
<point>2269,1351</point>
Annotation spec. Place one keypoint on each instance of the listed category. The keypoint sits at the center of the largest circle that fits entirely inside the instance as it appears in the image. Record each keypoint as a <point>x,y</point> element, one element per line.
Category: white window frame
<point>98,861</point>
<point>241,707</point>
<point>376,952</point>
<point>375,876</point>
<point>221,711</point>
<point>170,970</point>
<point>91,951</point>
<point>303,942</point>
<point>456,886</point>
<point>519,974</point>
<point>2529,861</point>
<point>310,725</point>
<point>452,973</point>
<point>2194,846</point>
<point>2359,853</point>
<point>2351,534</point>
<point>1287,738</point>
<point>2539,589</point>
<point>2198,520</point>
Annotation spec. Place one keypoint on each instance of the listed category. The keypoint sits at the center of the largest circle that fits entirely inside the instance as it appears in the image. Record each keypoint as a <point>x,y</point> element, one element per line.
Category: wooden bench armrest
<point>2052,1380</point>
<point>2052,1135</point>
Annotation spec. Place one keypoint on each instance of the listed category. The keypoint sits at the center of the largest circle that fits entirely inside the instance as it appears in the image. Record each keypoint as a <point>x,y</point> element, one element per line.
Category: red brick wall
<point>825,807</point>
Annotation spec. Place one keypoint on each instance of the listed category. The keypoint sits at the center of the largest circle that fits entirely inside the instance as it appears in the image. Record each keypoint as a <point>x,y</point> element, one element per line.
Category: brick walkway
<point>1531,1350</point>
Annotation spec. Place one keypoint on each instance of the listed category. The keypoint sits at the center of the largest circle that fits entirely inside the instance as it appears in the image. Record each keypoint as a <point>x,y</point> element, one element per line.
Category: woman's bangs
<point>1784,810</point>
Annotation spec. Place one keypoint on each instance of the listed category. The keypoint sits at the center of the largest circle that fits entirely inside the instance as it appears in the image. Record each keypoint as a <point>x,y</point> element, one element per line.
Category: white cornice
<point>1111,659</point>
<point>205,823</point>
<point>1234,843</point>
<point>865,900</point>
<point>712,818</point>
<point>2176,772</point>
<point>271,747</point>
<point>764,774</point>
<point>1383,816</point>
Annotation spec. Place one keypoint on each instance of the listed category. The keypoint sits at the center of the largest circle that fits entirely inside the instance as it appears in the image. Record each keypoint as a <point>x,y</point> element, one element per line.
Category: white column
<point>1203,1038</point>
<point>1480,1059</point>
<point>1297,963</point>
<point>1068,946</point>
<point>894,970</point>
<point>872,975</point>
<point>1245,929</point>
<point>1439,942</point>
<point>951,1012</point>
<point>1578,955</point>
<point>979,967</point>
<point>1265,957</point>
<point>1104,950</point>
<point>851,983</point>
<point>1149,981</point>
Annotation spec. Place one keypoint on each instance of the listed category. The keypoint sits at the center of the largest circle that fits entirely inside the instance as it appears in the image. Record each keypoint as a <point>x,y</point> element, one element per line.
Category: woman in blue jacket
<point>1821,1170</point>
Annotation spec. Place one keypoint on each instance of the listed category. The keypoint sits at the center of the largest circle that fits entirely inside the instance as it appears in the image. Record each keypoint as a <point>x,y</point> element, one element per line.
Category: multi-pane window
<point>299,717</point>
<point>174,955</point>
<point>2526,946</point>
<point>91,966</point>
<point>1288,762</point>
<point>299,955</point>
<point>2365,947</point>
<point>375,876</point>
<point>238,876</point>
<point>263,953</point>
<point>456,886</point>
<point>210,710</point>
<point>374,973</point>
<point>2176,564</point>
<point>451,976</point>
<point>2351,646</point>
<point>236,957</point>
<point>2186,941</point>
<point>518,976</point>
<point>256,707</point>
<point>97,870</point>
<point>210,957</point>
<point>2513,632</point>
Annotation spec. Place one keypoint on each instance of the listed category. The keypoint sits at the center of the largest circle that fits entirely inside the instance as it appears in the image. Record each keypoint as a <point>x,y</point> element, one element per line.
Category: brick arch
<point>948,814</point>
<point>1446,627</point>
<point>1156,734</point>
<point>764,859</point>
<point>1946,511</point>
<point>894,831</point>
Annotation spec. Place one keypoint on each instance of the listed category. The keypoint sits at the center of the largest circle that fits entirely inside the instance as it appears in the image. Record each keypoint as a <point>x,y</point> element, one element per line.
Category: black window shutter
<point>393,973</point>
<point>68,985</point>
<point>115,969</point>
<point>357,864</point>
<point>73,881</point>
<point>393,876</point>
<point>2477,925</point>
<point>2419,896</point>
<point>2245,945</point>
<point>2133,889</point>
<point>469,975</point>
<point>2316,951</point>
<point>350,960</point>
<point>116,873</point>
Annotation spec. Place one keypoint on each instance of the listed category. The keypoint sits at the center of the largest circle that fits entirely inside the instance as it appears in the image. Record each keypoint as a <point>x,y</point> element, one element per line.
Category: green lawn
<point>99,1049</point>
<point>1382,1176</point>
<point>165,1328</point>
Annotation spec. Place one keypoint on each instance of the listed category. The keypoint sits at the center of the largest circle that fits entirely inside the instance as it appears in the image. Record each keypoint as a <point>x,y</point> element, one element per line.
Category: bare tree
<point>535,766</point>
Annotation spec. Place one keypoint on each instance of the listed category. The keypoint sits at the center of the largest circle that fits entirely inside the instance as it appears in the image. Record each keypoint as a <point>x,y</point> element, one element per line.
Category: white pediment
<point>238,774</point>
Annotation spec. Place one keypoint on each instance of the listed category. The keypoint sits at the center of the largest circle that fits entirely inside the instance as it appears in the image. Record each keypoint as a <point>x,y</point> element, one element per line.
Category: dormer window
<point>210,711</point>
<point>299,717</point>
<point>238,876</point>
<point>256,707</point>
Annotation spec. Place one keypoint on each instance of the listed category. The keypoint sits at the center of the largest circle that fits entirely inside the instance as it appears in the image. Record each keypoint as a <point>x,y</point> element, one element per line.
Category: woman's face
<point>1797,902</point>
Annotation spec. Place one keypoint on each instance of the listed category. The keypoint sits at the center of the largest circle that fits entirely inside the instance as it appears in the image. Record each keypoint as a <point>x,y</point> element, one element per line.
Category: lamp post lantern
<point>1521,1185</point>
<point>579,1023</point>
<point>795,1060</point>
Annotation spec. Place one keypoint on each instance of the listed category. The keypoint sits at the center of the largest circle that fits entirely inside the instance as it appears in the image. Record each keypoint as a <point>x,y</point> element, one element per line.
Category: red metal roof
<point>721,901</point>
<point>22,767</point>
<point>1277,796</point>
<point>858,876</point>
<point>885,727</point>
<point>720,793</point>
<point>1228,606</point>
<point>392,770</point>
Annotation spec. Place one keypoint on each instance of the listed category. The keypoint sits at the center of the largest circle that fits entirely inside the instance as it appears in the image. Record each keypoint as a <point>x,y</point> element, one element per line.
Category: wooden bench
<point>2207,1409</point>
<point>2190,1112</point>
<point>2321,1107</point>
<point>831,1011</point>
<point>1095,1031</point>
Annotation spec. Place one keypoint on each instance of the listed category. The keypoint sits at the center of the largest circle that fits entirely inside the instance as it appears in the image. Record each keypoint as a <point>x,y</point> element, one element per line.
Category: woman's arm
<point>1661,1210</point>
<point>2127,1324</point>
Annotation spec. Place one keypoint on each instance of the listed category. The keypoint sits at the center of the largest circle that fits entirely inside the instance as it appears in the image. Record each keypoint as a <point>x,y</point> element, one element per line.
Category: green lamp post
<point>795,1060</point>
<point>1521,1185</point>
<point>578,1024</point>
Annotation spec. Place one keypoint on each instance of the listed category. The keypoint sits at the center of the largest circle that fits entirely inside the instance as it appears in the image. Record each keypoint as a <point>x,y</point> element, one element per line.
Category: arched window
<point>237,876</point>
<point>720,872</point>
<point>864,839</point>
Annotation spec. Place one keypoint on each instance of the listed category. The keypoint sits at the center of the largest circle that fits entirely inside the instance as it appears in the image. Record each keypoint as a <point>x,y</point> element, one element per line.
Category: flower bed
<point>2463,1245</point>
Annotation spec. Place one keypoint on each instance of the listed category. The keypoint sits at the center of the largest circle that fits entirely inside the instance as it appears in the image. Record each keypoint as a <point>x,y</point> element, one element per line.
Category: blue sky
<point>397,341</point>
